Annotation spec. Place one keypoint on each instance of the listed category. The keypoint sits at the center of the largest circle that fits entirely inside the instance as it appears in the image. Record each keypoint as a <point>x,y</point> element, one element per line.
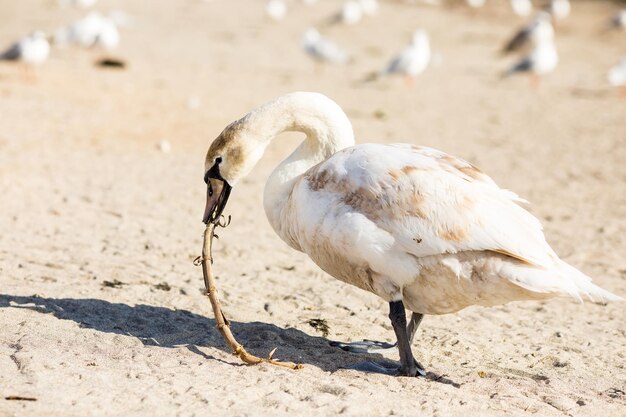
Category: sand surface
<point>101,309</point>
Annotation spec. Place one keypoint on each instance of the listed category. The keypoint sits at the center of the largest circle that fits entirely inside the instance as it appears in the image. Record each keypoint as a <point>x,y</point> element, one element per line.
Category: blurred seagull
<point>369,7</point>
<point>559,9</point>
<point>539,27</point>
<point>276,9</point>
<point>617,76</point>
<point>351,13</point>
<point>413,59</point>
<point>93,30</point>
<point>322,50</point>
<point>83,4</point>
<point>32,49</point>
<point>619,20</point>
<point>522,8</point>
<point>541,61</point>
<point>475,3</point>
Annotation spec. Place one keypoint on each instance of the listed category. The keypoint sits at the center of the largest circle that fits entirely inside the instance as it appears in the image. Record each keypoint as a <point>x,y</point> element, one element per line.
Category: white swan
<point>415,226</point>
<point>32,49</point>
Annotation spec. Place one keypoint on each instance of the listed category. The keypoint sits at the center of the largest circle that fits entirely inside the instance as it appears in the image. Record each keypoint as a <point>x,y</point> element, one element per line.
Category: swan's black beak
<point>217,194</point>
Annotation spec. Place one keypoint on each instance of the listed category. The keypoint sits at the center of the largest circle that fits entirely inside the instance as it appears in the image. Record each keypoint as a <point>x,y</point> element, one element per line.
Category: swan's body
<point>33,49</point>
<point>410,224</point>
<point>413,59</point>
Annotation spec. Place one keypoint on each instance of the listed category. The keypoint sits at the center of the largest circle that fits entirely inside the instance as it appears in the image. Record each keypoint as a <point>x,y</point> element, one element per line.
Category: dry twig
<point>223,325</point>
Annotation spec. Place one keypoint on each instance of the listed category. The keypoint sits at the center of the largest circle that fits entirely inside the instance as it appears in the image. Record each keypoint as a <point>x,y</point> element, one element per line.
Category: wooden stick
<point>223,325</point>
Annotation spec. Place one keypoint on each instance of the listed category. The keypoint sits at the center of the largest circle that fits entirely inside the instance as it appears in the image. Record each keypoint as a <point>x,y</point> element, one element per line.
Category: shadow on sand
<point>164,327</point>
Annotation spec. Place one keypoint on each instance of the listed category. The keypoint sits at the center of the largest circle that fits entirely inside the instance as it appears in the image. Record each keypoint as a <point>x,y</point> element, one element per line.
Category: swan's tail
<point>580,285</point>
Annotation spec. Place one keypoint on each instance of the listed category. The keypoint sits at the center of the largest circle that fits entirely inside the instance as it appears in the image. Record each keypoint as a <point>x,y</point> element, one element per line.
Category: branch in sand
<point>223,325</point>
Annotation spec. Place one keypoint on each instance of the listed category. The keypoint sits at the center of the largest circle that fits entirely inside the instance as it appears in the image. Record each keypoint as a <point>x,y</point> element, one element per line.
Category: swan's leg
<point>373,346</point>
<point>416,320</point>
<point>397,315</point>
<point>404,334</point>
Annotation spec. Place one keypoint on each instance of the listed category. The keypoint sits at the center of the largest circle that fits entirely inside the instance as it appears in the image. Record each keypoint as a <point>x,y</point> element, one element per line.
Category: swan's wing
<point>428,202</point>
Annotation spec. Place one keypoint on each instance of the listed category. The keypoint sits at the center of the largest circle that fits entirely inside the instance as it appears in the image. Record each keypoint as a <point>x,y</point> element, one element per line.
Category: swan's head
<point>231,156</point>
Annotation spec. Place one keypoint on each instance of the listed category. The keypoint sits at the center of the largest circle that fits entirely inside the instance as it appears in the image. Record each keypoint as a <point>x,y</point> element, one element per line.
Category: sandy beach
<point>102,311</point>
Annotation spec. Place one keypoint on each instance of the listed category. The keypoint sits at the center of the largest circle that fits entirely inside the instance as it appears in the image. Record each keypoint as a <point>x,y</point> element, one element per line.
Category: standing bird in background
<point>351,13</point>
<point>619,20</point>
<point>542,60</point>
<point>559,9</point>
<point>31,50</point>
<point>412,60</point>
<point>93,30</point>
<point>475,4</point>
<point>421,229</point>
<point>522,8</point>
<point>617,76</point>
<point>369,7</point>
<point>539,27</point>
<point>276,9</point>
<point>323,50</point>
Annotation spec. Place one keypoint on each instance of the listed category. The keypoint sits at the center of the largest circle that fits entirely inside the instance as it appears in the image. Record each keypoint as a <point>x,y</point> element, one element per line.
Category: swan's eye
<point>210,190</point>
<point>218,160</point>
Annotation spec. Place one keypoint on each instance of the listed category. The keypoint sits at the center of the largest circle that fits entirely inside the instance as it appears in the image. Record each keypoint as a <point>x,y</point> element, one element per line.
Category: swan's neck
<point>327,131</point>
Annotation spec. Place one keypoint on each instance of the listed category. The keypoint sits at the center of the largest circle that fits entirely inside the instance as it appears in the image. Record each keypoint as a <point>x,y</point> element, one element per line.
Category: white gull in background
<point>369,7</point>
<point>542,60</point>
<point>413,59</point>
<point>276,9</point>
<point>559,9</point>
<point>83,4</point>
<point>93,30</point>
<point>475,3</point>
<point>618,21</point>
<point>617,75</point>
<point>423,230</point>
<point>32,49</point>
<point>323,50</point>
<point>351,13</point>
<point>539,27</point>
<point>522,8</point>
